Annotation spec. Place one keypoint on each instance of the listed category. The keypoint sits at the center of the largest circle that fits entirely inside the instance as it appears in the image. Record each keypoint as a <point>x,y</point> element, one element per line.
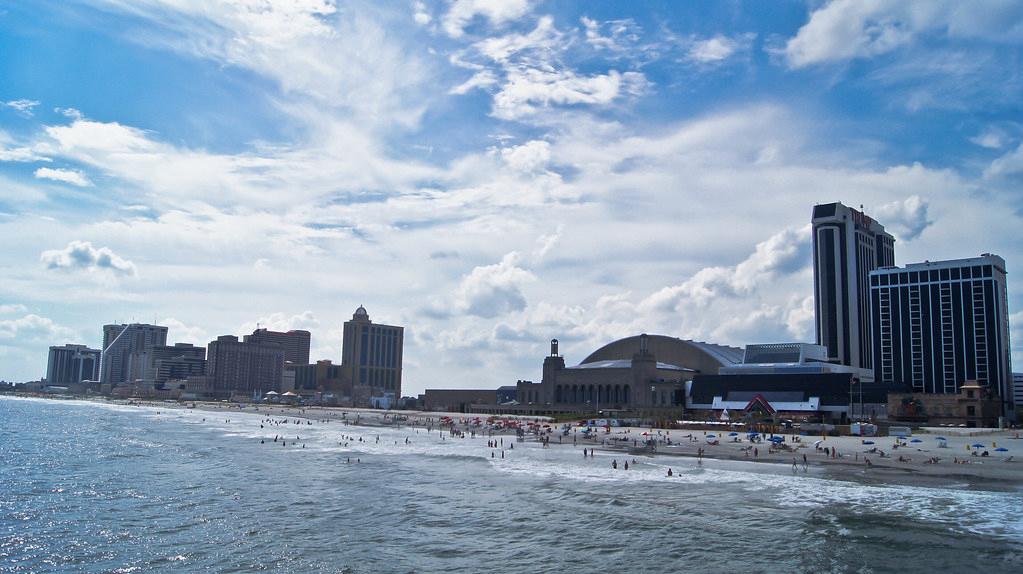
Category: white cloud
<point>906,218</point>
<point>527,91</point>
<point>717,49</point>
<point>23,107</point>
<point>420,13</point>
<point>283,322</point>
<point>492,290</point>
<point>82,255</point>
<point>846,29</point>
<point>481,79</point>
<point>179,332</point>
<point>1009,164</point>
<point>72,176</point>
<point>991,138</point>
<point>528,157</point>
<point>33,329</point>
<point>462,12</point>
<point>9,309</point>
<point>501,48</point>
<point>20,154</point>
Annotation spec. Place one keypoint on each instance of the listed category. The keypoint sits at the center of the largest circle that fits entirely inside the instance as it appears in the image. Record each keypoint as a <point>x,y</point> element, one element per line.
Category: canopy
<point>776,439</point>
<point>273,393</point>
<point>1001,449</point>
<point>940,438</point>
<point>916,440</point>
<point>977,445</point>
<point>733,434</point>
<point>868,442</point>
<point>712,435</point>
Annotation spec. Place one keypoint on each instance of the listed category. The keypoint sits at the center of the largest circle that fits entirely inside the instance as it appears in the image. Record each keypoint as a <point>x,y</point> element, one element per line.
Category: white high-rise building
<point>124,351</point>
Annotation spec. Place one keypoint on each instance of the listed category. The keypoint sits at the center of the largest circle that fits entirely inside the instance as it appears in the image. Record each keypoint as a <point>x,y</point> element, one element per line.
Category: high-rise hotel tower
<point>371,357</point>
<point>847,246</point>
<point>938,324</point>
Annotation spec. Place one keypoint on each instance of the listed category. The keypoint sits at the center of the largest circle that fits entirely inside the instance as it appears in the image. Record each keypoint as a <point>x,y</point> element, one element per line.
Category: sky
<point>490,174</point>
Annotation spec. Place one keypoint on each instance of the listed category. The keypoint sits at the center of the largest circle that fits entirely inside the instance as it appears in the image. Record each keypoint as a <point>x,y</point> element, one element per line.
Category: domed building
<point>638,372</point>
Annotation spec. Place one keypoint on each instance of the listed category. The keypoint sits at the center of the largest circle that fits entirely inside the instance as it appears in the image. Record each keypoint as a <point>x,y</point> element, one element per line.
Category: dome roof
<point>703,357</point>
<point>361,313</point>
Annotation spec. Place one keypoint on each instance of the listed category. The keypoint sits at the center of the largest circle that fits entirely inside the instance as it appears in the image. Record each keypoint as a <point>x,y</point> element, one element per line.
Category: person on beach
<point>614,464</point>
<point>626,465</point>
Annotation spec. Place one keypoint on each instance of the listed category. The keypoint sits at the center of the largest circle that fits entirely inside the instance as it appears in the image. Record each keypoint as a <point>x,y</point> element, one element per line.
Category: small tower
<point>554,347</point>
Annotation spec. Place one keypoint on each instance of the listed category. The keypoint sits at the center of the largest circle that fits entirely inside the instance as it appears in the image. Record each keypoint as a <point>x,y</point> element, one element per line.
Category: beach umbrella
<point>733,434</point>
<point>916,440</point>
<point>868,442</point>
<point>1001,449</point>
<point>754,434</point>
<point>776,439</point>
<point>712,435</point>
<point>977,445</point>
<point>940,438</point>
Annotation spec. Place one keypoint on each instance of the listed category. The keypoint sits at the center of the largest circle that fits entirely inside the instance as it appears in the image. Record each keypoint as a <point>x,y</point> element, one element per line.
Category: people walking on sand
<point>756,452</point>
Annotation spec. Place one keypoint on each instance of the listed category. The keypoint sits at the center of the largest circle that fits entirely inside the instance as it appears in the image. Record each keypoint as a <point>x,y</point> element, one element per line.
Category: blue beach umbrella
<point>977,445</point>
<point>868,442</point>
<point>940,438</point>
<point>712,435</point>
<point>776,439</point>
<point>916,440</point>
<point>733,434</point>
<point>1001,449</point>
<point>754,434</point>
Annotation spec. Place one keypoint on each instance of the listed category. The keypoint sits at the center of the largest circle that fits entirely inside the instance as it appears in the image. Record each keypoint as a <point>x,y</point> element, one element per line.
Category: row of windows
<point>953,274</point>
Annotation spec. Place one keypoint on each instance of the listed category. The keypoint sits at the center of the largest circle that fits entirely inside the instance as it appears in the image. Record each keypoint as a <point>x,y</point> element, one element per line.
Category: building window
<point>971,411</point>
<point>969,395</point>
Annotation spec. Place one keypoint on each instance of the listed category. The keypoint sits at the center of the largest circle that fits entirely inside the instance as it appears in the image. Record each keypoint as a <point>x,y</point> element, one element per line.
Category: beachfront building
<point>938,324</point>
<point>295,343</point>
<point>1017,393</point>
<point>177,361</point>
<point>847,246</point>
<point>241,368</point>
<point>72,364</point>
<point>793,381</point>
<point>642,373</point>
<point>124,347</point>
<point>371,357</point>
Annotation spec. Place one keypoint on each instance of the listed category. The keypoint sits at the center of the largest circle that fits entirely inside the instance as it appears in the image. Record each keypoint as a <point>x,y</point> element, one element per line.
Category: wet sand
<point>994,472</point>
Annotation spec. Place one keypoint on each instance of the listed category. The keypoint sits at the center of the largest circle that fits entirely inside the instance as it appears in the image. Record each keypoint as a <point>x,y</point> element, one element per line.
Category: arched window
<point>625,394</point>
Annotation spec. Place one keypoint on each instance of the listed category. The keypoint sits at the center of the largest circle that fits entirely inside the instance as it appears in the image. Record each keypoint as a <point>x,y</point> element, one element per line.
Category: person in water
<point>669,471</point>
<point>614,464</point>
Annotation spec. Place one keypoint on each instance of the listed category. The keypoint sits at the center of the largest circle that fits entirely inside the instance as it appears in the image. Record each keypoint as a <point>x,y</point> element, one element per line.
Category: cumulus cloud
<point>528,157</point>
<point>991,138</point>
<point>497,12</point>
<point>72,176</point>
<point>846,29</point>
<point>906,218</point>
<point>305,320</point>
<point>492,290</point>
<point>420,14</point>
<point>179,332</point>
<point>783,253</point>
<point>33,328</point>
<point>81,255</point>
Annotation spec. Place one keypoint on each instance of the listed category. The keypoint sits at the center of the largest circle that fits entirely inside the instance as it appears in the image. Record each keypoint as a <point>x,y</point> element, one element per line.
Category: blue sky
<point>489,174</point>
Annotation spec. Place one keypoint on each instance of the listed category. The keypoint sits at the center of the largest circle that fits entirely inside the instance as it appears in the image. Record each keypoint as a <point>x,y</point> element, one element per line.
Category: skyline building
<point>71,364</point>
<point>177,361</point>
<point>295,343</point>
<point>243,366</point>
<point>938,324</point>
<point>371,356</point>
<point>847,246</point>
<point>124,348</point>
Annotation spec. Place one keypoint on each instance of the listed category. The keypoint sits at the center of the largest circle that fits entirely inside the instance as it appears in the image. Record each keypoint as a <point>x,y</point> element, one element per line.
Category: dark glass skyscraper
<point>938,324</point>
<point>847,246</point>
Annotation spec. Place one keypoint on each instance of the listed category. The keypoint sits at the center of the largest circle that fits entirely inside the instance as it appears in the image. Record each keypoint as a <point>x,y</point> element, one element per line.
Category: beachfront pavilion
<point>638,373</point>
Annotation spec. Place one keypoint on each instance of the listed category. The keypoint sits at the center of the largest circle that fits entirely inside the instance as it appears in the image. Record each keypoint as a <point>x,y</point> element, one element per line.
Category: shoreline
<point>981,473</point>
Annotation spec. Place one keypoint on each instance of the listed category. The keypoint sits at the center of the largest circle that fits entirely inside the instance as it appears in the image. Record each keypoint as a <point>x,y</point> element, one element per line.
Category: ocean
<point>90,487</point>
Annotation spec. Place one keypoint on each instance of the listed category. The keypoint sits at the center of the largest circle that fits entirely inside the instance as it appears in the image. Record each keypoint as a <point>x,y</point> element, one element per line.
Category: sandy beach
<point>918,460</point>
